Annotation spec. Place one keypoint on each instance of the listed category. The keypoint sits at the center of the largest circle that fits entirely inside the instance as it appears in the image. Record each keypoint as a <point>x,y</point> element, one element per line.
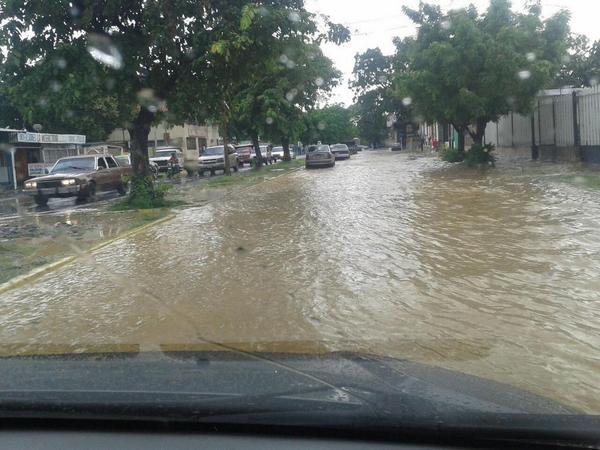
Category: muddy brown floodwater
<point>495,274</point>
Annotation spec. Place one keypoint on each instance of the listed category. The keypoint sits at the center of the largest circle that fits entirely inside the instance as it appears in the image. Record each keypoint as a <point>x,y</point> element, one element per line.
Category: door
<point>114,172</point>
<point>102,175</point>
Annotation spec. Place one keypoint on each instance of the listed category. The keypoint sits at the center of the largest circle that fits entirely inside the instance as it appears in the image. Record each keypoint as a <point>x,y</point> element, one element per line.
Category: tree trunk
<point>461,138</point>
<point>285,142</point>
<point>256,145</point>
<point>479,132</point>
<point>139,143</point>
<point>225,134</point>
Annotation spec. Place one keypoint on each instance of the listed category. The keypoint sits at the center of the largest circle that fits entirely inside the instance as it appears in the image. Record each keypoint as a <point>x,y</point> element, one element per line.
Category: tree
<point>375,99</point>
<point>331,124</point>
<point>289,80</point>
<point>112,59</point>
<point>468,69</point>
<point>581,66</point>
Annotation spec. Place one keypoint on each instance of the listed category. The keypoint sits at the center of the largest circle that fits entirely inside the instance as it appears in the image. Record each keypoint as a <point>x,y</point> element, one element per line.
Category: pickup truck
<point>78,176</point>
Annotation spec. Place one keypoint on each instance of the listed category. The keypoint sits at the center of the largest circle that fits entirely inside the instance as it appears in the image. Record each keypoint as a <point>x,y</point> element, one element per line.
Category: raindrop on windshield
<point>269,121</point>
<point>61,63</point>
<point>407,101</point>
<point>524,74</point>
<point>530,56</point>
<point>74,11</point>
<point>321,126</point>
<point>104,51</point>
<point>594,81</point>
<point>55,86</point>
<point>319,81</point>
<point>263,11</point>
<point>43,102</point>
<point>291,95</point>
<point>382,78</point>
<point>294,16</point>
<point>566,59</point>
<point>446,24</point>
<point>283,59</point>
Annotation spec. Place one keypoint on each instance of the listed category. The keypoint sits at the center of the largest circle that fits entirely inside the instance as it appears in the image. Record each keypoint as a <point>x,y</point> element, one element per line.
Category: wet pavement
<point>494,273</point>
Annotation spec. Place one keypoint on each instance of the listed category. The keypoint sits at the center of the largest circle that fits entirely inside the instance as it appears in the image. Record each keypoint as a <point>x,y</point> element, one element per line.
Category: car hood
<point>61,176</point>
<point>348,378</point>
<point>160,158</point>
<point>205,158</point>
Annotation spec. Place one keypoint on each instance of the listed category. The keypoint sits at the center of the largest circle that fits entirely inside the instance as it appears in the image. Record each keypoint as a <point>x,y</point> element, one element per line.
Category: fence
<point>565,125</point>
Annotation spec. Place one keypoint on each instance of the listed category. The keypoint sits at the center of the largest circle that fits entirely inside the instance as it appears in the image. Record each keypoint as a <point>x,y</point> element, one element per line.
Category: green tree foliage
<point>288,74</point>
<point>467,68</point>
<point>102,64</point>
<point>330,125</point>
<point>581,66</point>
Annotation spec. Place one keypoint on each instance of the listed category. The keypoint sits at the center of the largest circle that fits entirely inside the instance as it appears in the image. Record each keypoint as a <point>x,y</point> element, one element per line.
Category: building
<point>190,138</point>
<point>24,154</point>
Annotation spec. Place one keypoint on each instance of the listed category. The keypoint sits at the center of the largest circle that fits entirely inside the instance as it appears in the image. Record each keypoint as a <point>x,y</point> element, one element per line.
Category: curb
<point>51,267</point>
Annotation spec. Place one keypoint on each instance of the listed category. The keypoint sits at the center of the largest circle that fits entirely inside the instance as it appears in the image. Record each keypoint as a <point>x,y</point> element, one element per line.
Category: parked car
<point>319,156</point>
<point>212,159</point>
<point>340,151</point>
<point>79,176</point>
<point>245,154</point>
<point>162,156</point>
<point>125,161</point>
<point>397,147</point>
<point>277,153</point>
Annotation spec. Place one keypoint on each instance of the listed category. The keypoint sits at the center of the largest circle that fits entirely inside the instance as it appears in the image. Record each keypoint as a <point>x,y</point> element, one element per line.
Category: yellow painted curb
<point>51,267</point>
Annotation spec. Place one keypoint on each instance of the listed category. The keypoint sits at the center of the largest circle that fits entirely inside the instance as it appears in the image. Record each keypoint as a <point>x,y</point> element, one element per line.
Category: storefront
<point>24,155</point>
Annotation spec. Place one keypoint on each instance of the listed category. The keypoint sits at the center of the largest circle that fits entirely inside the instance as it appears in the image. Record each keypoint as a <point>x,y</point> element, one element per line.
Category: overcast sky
<point>374,23</point>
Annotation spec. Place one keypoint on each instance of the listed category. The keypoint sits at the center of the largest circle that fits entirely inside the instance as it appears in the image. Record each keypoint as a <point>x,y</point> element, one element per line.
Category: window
<point>101,163</point>
<point>111,162</point>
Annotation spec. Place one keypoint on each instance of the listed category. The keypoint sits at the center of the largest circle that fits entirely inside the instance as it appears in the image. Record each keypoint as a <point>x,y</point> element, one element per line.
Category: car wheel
<point>41,200</point>
<point>91,193</point>
<point>121,189</point>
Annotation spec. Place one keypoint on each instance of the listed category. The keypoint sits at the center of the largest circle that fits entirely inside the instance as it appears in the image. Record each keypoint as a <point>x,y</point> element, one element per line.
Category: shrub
<point>145,194</point>
<point>452,155</point>
<point>480,155</point>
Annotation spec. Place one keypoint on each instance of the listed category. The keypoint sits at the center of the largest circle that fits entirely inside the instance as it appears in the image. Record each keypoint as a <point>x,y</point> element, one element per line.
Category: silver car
<point>319,156</point>
<point>340,151</point>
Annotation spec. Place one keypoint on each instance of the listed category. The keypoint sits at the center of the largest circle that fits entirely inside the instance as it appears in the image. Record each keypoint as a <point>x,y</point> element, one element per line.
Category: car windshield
<point>213,151</point>
<point>165,153</point>
<point>74,164</point>
<point>427,246</point>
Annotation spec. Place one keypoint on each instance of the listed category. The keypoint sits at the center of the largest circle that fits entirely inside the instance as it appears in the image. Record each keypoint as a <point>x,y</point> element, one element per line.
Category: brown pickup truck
<point>79,176</point>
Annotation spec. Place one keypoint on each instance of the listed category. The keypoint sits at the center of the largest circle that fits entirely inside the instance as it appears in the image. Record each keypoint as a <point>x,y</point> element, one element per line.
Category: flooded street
<point>495,274</point>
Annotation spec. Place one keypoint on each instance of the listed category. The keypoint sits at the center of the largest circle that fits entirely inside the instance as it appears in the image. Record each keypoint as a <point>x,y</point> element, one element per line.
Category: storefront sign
<point>47,138</point>
<point>36,169</point>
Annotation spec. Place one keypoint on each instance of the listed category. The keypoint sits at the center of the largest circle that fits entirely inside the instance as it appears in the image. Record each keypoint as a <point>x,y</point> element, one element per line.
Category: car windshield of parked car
<point>427,248</point>
<point>213,151</point>
<point>165,153</point>
<point>74,164</point>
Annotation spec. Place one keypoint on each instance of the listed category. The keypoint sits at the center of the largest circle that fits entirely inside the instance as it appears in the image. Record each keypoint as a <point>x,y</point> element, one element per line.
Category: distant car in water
<point>340,151</point>
<point>162,156</point>
<point>319,156</point>
<point>125,161</point>
<point>212,159</point>
<point>79,176</point>
<point>397,147</point>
